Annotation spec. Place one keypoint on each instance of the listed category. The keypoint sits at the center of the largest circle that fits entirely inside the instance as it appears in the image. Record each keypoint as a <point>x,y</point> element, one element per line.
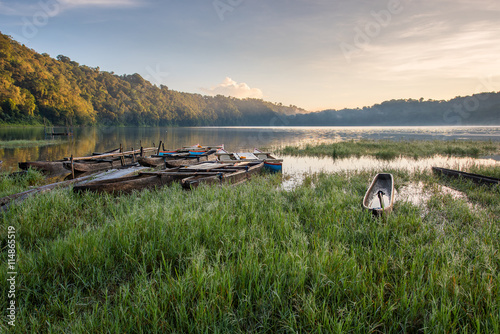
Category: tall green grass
<point>254,258</point>
<point>390,149</point>
<point>11,184</point>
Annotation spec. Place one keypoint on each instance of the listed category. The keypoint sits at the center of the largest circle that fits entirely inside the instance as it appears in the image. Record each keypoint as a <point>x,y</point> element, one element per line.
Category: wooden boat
<point>233,173</point>
<point>191,150</point>
<point>54,167</point>
<point>51,167</point>
<point>100,164</point>
<point>476,178</point>
<point>144,180</point>
<point>190,159</point>
<point>127,184</point>
<point>175,160</point>
<point>379,198</point>
<point>270,162</point>
<point>105,161</point>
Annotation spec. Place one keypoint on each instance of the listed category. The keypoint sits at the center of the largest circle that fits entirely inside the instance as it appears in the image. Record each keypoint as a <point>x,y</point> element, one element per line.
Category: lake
<point>88,140</point>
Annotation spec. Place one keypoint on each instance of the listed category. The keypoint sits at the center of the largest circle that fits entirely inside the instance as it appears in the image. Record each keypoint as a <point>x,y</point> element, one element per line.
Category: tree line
<point>35,87</point>
<point>477,109</point>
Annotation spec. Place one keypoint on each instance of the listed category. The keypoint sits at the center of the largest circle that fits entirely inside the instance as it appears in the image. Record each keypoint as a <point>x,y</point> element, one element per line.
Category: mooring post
<point>72,167</point>
<point>159,148</point>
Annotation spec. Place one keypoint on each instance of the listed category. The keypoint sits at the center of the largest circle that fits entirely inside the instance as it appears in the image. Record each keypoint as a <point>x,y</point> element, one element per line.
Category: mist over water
<point>88,140</point>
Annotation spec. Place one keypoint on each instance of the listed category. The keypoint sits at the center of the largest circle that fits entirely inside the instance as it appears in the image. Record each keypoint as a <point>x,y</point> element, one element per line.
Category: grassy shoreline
<point>255,258</point>
<point>388,149</point>
<point>28,143</point>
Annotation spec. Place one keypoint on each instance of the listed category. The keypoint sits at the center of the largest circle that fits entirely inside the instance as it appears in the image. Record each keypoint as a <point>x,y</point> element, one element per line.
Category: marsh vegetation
<point>256,258</point>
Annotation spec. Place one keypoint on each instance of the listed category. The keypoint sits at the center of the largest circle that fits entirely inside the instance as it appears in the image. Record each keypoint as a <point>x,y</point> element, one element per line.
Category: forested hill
<point>478,109</point>
<point>34,87</point>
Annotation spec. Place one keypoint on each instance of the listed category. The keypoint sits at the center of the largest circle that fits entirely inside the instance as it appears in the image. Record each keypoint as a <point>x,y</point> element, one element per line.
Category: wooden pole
<point>159,147</point>
<point>72,167</point>
<point>94,157</point>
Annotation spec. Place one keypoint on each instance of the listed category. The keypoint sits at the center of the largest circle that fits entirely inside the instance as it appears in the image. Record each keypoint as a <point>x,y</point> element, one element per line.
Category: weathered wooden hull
<point>271,163</point>
<point>151,161</point>
<point>126,185</point>
<point>233,177</point>
<point>94,166</point>
<point>188,161</point>
<point>476,178</point>
<point>384,203</point>
<point>44,166</point>
<point>54,167</point>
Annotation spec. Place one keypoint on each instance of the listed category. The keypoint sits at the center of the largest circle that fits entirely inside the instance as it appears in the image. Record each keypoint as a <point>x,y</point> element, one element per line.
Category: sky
<point>315,54</point>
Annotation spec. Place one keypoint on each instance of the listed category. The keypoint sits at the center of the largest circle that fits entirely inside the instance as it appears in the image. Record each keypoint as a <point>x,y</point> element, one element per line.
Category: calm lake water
<point>88,140</point>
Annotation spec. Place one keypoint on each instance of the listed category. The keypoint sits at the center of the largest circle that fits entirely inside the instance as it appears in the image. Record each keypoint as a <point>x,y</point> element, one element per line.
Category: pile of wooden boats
<point>95,162</point>
<point>190,166</point>
<point>180,157</point>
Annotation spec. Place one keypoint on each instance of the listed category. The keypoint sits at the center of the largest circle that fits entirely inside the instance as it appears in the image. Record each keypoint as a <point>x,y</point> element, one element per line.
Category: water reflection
<point>88,140</point>
<point>295,168</point>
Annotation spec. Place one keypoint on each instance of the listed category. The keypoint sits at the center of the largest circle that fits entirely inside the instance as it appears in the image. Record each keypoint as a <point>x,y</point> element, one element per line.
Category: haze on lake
<point>88,140</point>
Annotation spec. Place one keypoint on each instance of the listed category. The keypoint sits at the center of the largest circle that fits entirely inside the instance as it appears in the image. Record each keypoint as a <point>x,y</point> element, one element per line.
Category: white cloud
<point>229,87</point>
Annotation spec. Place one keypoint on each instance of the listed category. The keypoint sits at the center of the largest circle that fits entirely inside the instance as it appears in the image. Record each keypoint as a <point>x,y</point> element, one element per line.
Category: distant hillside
<point>479,109</point>
<point>35,86</point>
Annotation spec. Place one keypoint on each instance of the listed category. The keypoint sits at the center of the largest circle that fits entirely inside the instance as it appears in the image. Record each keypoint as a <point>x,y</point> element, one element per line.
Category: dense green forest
<point>35,87</point>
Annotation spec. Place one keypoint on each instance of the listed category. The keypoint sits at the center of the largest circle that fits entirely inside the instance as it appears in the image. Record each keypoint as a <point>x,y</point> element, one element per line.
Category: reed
<point>28,143</point>
<point>255,258</point>
<point>389,149</point>
<point>18,182</point>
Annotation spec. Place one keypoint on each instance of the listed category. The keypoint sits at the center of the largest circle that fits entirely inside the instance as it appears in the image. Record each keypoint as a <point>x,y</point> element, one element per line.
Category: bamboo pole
<point>72,167</point>
<point>159,148</point>
<point>114,154</point>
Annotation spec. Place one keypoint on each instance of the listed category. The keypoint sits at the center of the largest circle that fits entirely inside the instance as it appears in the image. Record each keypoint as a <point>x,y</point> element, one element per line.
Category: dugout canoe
<point>476,178</point>
<point>51,167</point>
<point>232,174</point>
<point>146,180</point>
<point>99,164</point>
<point>379,198</point>
<point>191,150</point>
<point>175,160</point>
<point>190,159</point>
<point>54,167</point>
<point>270,162</point>
<point>128,184</point>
